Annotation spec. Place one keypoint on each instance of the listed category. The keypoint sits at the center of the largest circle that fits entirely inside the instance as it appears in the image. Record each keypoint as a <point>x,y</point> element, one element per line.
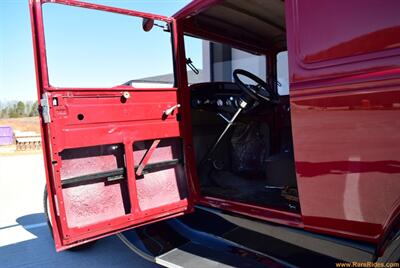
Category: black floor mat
<point>229,186</point>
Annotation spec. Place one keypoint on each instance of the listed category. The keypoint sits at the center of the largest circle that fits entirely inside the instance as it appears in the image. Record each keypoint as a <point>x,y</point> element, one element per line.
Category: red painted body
<point>345,95</point>
<point>345,100</point>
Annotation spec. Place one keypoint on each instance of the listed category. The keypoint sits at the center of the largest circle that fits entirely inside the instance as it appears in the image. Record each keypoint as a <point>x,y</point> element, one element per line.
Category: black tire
<point>48,220</point>
<point>392,251</point>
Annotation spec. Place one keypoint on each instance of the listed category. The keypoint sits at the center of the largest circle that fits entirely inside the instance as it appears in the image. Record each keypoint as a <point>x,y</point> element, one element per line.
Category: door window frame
<point>39,42</point>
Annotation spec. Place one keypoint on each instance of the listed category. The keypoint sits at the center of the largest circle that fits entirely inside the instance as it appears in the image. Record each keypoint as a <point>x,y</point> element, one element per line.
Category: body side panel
<point>345,99</point>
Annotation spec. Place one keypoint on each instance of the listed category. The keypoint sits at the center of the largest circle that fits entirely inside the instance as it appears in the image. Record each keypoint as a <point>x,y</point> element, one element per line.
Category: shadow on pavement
<point>34,247</point>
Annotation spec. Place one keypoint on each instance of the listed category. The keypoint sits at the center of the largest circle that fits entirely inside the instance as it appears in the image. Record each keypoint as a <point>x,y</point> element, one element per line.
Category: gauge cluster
<point>215,97</point>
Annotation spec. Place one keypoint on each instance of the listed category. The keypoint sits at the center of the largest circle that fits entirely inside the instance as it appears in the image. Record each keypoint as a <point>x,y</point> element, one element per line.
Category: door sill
<point>288,218</point>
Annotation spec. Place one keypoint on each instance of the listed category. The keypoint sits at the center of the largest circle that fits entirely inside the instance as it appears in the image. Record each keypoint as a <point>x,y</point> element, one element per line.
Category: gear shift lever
<point>242,105</point>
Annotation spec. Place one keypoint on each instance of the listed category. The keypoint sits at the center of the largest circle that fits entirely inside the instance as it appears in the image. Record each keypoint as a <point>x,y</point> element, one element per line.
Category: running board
<point>174,244</point>
<point>193,255</point>
<point>248,230</point>
<point>212,238</point>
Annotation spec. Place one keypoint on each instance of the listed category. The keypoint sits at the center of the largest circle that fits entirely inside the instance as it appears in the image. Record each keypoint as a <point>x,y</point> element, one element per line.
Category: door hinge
<point>45,109</point>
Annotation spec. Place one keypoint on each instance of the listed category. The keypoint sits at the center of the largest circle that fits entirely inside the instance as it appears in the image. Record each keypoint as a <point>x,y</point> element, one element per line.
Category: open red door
<point>114,155</point>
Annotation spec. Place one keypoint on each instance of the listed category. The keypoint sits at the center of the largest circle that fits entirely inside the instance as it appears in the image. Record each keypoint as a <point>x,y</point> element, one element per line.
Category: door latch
<point>45,110</point>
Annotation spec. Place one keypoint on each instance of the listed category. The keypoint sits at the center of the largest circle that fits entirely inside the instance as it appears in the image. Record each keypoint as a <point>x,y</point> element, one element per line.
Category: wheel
<point>392,252</point>
<point>46,206</point>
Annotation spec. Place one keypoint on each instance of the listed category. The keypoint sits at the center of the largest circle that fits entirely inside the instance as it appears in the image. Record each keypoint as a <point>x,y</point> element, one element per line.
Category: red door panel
<point>345,95</point>
<point>114,160</point>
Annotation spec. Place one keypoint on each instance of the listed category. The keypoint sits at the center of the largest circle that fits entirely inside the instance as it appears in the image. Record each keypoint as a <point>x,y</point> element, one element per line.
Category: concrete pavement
<point>25,240</point>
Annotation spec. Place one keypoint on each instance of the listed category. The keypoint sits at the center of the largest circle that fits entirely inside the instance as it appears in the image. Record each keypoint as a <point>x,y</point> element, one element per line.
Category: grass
<point>22,124</point>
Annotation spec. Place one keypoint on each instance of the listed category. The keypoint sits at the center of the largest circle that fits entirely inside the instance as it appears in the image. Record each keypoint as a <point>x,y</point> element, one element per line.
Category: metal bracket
<point>44,104</point>
<point>146,157</point>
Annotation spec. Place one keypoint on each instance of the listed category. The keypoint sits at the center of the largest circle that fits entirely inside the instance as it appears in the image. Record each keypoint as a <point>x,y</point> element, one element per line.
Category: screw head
<point>126,94</point>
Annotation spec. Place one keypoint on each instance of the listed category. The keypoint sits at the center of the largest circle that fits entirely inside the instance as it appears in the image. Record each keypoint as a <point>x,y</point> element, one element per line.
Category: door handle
<point>170,110</point>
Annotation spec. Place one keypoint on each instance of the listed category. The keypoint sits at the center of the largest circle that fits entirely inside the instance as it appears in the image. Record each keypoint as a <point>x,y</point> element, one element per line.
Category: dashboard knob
<point>220,103</point>
<point>196,102</point>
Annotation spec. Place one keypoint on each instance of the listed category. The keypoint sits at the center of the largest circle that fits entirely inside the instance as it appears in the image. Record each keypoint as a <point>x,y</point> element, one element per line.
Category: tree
<point>20,109</point>
<point>28,108</point>
<point>4,112</point>
<point>12,111</point>
<point>34,109</point>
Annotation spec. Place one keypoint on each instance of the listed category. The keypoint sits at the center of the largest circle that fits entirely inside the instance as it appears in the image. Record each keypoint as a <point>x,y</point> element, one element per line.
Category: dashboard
<point>215,97</point>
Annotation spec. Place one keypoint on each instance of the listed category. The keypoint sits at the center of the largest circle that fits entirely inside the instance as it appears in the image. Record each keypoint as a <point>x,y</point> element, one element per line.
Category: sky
<point>85,48</point>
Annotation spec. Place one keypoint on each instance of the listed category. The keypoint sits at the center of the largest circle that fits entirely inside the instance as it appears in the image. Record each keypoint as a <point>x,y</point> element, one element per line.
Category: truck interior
<point>240,115</point>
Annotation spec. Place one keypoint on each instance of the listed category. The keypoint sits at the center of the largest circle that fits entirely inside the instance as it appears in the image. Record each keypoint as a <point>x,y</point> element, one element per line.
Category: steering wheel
<point>261,91</point>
